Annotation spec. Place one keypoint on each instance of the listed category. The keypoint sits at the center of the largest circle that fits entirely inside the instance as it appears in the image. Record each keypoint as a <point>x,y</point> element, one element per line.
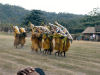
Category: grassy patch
<point>82,58</point>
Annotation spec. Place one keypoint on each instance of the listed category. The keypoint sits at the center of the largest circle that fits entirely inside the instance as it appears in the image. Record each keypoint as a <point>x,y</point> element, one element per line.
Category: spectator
<point>31,71</point>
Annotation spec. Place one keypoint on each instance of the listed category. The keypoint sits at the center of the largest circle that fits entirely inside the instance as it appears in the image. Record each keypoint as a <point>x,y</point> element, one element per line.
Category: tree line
<point>15,15</point>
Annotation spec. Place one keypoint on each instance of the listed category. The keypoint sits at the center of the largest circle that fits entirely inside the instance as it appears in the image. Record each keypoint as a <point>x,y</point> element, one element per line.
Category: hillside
<point>16,15</point>
<point>68,20</point>
<point>12,14</point>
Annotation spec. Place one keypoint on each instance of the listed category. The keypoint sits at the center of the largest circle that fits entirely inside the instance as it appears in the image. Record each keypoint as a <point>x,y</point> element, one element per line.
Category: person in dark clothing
<point>31,71</point>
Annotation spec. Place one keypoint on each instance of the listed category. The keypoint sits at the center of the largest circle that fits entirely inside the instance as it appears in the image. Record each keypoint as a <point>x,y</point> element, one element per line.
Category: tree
<point>36,17</point>
<point>92,19</point>
<point>94,12</point>
<point>12,14</point>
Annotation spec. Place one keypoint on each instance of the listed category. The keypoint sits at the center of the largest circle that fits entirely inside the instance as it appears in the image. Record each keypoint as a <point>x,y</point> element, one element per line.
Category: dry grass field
<point>83,58</point>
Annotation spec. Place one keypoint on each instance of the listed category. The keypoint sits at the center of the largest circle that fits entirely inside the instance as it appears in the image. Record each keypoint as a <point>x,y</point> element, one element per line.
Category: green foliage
<point>36,17</point>
<point>70,21</point>
<point>19,16</point>
<point>10,14</point>
<point>92,19</point>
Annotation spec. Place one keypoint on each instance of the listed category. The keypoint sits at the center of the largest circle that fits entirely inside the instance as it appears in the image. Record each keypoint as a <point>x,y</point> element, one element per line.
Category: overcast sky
<point>68,6</point>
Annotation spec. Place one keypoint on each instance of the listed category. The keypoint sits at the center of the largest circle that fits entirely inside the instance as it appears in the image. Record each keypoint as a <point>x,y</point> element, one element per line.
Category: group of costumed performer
<point>51,37</point>
<point>20,35</point>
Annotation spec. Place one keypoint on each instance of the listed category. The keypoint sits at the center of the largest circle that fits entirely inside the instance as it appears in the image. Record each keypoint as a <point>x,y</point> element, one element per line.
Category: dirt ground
<point>83,58</point>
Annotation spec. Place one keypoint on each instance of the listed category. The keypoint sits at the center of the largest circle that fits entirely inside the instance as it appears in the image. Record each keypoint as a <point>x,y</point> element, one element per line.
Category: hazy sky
<point>68,6</point>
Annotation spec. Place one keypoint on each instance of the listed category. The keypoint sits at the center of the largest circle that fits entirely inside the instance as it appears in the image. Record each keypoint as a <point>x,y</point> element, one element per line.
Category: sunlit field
<point>83,58</point>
